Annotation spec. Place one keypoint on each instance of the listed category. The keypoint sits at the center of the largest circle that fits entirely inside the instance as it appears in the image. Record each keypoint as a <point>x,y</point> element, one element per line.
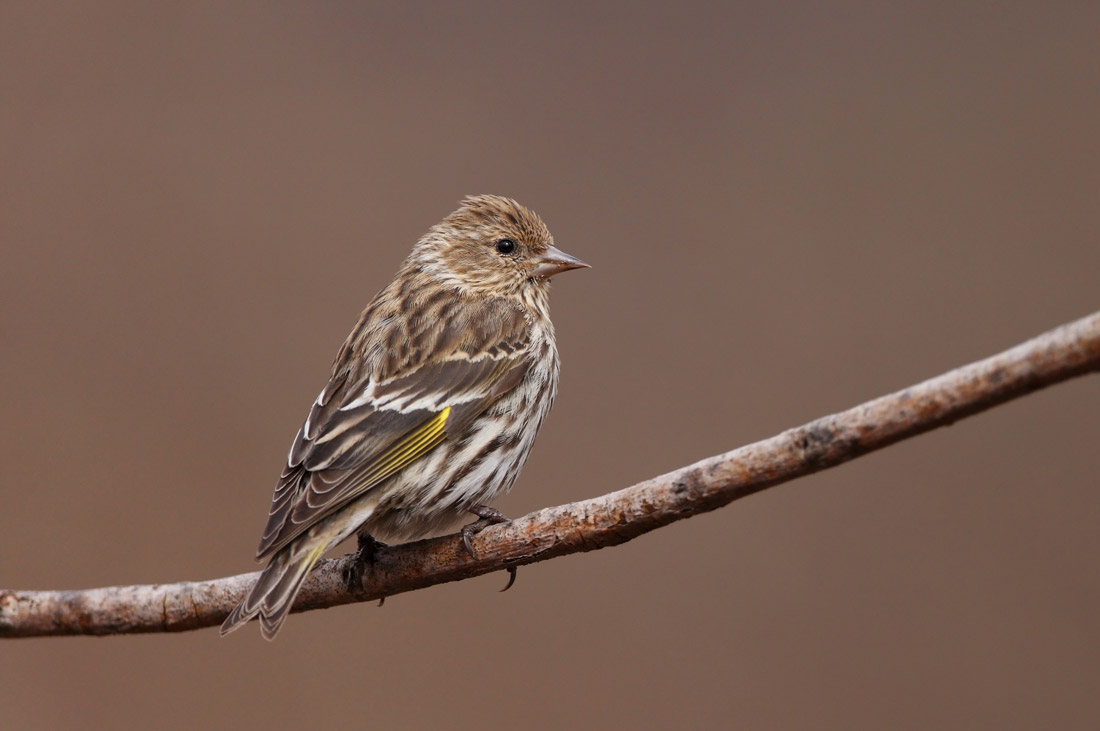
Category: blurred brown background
<point>790,208</point>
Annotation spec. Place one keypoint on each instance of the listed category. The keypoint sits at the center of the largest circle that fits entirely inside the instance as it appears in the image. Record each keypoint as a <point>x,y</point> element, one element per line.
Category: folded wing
<point>363,430</point>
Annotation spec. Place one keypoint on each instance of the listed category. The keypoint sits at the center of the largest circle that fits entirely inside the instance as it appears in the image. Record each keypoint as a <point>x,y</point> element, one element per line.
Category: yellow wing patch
<point>408,449</point>
<point>399,455</point>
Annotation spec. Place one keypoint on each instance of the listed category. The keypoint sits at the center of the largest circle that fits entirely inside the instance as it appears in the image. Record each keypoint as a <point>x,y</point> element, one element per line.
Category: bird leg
<point>357,568</point>
<point>487,516</point>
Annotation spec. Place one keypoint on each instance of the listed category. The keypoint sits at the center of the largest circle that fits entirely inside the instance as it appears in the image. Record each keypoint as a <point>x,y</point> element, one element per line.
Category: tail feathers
<point>273,594</point>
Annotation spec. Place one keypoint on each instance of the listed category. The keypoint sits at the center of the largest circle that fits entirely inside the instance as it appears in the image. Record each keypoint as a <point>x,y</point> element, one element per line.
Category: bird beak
<point>554,261</point>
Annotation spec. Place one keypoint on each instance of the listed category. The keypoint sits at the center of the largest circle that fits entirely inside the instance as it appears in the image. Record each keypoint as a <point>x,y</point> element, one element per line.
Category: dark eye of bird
<point>506,246</point>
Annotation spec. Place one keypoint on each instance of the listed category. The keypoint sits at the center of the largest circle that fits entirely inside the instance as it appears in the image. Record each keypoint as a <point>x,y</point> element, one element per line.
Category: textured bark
<point>1062,353</point>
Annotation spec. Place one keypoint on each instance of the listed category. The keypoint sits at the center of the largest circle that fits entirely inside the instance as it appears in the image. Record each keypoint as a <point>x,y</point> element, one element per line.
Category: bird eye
<point>506,246</point>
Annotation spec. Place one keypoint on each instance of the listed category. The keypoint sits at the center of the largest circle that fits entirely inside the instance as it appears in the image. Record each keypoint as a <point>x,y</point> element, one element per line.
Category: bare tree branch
<point>1055,356</point>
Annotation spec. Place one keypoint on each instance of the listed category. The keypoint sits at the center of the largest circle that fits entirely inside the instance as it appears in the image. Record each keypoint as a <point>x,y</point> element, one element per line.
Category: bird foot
<point>357,568</point>
<point>487,516</point>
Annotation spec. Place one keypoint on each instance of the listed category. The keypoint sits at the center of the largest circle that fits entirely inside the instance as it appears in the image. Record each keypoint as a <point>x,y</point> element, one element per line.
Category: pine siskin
<point>433,403</point>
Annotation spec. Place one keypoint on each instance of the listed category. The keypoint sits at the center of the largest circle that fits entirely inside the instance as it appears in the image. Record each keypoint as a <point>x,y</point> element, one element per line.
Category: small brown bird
<point>432,405</point>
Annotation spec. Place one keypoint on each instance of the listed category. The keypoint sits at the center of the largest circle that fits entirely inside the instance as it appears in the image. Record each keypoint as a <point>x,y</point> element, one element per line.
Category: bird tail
<point>273,593</point>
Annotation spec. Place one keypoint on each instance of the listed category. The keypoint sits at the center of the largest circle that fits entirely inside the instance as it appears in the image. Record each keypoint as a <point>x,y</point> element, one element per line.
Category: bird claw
<point>511,578</point>
<point>487,517</point>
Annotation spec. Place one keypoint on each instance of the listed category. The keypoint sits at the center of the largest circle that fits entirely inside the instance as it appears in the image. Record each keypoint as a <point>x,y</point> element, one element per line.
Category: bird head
<point>494,246</point>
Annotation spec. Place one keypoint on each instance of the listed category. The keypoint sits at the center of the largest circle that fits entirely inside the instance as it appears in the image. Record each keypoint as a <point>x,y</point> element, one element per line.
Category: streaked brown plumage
<point>433,402</point>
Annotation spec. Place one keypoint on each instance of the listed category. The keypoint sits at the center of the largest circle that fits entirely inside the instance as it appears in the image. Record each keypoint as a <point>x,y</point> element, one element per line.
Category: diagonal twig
<point>1058,355</point>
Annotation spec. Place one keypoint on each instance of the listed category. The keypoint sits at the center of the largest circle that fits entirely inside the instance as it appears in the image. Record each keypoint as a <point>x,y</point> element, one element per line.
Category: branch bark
<point>1058,355</point>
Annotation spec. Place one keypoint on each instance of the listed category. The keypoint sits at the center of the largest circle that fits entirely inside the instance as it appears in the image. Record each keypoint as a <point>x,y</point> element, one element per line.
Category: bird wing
<point>363,431</point>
